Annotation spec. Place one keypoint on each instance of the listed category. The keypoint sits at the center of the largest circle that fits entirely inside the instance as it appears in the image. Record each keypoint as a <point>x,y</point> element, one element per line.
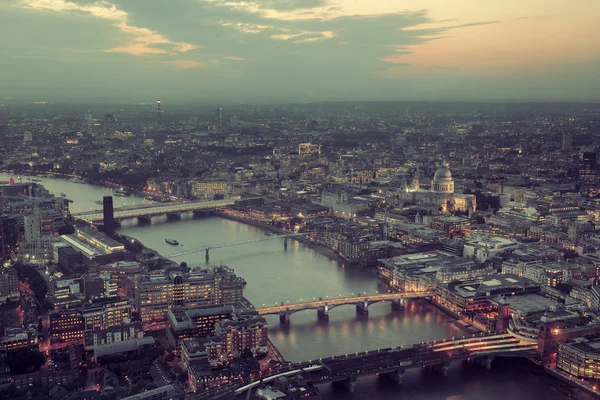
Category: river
<point>301,273</point>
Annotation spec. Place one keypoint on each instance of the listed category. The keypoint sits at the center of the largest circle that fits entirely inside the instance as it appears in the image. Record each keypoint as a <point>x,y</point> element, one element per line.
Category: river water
<point>276,275</point>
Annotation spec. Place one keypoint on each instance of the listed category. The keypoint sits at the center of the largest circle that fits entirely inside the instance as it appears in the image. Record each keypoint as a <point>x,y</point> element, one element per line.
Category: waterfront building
<point>231,339</point>
<point>94,245</point>
<point>208,189</point>
<point>155,295</point>
<point>422,271</point>
<point>241,335</point>
<point>580,357</point>
<point>465,297</point>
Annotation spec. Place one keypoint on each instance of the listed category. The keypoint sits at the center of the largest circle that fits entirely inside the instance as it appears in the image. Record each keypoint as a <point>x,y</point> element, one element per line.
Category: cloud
<point>142,40</point>
<point>234,58</point>
<point>246,27</point>
<point>188,64</point>
<point>277,5</point>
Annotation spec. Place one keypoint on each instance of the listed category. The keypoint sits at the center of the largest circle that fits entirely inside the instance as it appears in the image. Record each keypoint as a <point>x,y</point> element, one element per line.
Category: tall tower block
<point>109,216</point>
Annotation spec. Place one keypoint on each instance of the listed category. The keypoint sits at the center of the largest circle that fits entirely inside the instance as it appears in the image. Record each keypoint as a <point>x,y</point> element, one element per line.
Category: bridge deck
<point>336,301</point>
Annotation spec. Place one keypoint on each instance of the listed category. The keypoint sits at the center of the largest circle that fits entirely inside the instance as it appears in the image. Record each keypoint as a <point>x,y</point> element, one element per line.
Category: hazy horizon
<point>299,51</point>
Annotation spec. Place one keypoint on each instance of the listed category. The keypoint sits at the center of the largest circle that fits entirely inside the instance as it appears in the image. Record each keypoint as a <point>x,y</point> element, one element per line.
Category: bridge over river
<point>392,363</point>
<point>156,209</point>
<point>323,306</point>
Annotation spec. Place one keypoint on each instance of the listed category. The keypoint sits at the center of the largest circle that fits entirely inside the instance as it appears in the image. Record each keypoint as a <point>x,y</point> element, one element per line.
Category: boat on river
<point>172,241</point>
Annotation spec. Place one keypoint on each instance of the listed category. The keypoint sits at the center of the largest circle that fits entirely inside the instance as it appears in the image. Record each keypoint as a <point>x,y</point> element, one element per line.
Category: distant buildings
<point>9,285</point>
<point>441,197</point>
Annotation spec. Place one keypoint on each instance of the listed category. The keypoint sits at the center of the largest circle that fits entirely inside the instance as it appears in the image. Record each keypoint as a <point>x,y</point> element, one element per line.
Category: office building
<point>66,326</point>
<point>580,357</point>
<point>193,322</point>
<point>119,333</point>
<point>9,285</point>
<point>18,338</point>
<point>155,295</point>
<point>105,312</point>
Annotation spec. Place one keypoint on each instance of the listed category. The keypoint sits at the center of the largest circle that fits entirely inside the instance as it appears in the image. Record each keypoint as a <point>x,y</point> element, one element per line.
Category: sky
<point>300,50</point>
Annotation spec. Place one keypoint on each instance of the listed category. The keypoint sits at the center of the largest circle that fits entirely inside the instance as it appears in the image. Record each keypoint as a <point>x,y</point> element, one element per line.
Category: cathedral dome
<point>442,181</point>
<point>443,174</point>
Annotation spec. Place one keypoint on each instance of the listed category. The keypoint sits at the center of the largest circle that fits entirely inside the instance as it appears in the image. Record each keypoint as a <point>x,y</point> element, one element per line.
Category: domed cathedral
<point>441,197</point>
<point>442,181</point>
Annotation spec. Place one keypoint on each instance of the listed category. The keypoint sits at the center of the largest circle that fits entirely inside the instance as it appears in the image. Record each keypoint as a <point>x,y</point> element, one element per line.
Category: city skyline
<point>288,51</point>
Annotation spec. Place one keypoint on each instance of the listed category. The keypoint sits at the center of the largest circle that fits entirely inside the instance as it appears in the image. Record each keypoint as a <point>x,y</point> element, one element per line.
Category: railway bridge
<point>345,370</point>
<point>150,210</point>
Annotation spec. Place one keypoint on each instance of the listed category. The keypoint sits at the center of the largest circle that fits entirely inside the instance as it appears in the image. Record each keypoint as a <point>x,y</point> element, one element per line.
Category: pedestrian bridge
<point>150,210</point>
<point>392,363</point>
<point>323,306</point>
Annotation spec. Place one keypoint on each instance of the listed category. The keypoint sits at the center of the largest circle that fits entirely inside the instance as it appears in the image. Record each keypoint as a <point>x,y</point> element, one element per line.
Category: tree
<point>25,360</point>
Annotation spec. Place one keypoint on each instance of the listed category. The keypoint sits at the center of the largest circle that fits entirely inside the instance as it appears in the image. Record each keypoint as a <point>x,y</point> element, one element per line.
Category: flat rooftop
<point>529,303</point>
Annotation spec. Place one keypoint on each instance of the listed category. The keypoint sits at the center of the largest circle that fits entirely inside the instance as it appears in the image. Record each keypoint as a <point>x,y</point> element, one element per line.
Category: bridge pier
<point>201,213</point>
<point>323,313</point>
<point>349,384</point>
<point>173,215</point>
<point>285,243</point>
<point>398,304</point>
<point>396,376</point>
<point>488,362</point>
<point>206,255</point>
<point>144,220</point>
<point>284,317</point>
<point>362,308</point>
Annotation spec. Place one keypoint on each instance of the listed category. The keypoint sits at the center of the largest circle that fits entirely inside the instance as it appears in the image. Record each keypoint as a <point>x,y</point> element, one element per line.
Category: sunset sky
<point>300,50</point>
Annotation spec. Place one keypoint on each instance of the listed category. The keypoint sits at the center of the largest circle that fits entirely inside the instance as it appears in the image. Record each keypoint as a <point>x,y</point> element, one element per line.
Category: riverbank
<point>301,239</point>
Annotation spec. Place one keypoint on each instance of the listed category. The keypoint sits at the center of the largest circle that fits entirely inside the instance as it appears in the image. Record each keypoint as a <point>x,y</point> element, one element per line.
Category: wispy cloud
<point>234,58</point>
<point>246,27</point>
<point>189,64</point>
<point>142,40</point>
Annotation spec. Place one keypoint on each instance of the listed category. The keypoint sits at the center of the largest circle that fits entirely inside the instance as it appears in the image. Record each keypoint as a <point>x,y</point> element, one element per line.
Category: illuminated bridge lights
<point>332,302</point>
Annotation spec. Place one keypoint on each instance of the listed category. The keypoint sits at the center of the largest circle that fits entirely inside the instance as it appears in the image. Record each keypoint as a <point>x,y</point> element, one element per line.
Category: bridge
<point>207,248</point>
<point>150,210</point>
<point>323,306</point>
<point>391,363</point>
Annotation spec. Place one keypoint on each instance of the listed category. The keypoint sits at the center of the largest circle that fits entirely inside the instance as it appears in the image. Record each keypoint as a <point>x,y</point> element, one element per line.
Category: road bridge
<point>324,305</point>
<point>392,363</point>
<point>150,210</point>
<point>207,248</point>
